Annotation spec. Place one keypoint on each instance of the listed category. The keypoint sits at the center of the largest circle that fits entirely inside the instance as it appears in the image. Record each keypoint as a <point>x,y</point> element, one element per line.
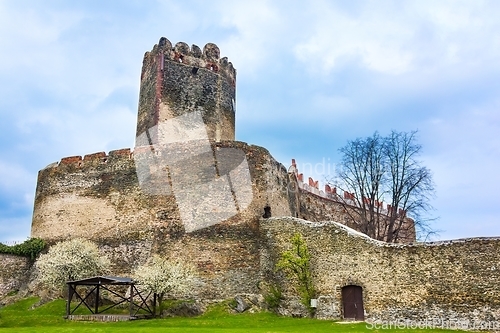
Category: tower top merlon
<point>208,58</point>
<point>181,80</point>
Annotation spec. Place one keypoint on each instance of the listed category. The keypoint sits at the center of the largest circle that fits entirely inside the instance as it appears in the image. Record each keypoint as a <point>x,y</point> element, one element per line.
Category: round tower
<point>179,81</point>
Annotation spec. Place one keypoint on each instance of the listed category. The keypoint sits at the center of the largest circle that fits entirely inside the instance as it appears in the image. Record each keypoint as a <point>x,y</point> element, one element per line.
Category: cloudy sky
<point>311,75</point>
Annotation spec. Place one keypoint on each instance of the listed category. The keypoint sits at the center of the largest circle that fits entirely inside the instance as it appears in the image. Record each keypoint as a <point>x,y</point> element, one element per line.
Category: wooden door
<point>352,301</point>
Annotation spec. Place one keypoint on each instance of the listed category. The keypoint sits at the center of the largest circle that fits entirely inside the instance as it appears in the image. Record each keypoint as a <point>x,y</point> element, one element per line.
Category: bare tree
<point>362,174</point>
<point>410,183</point>
<point>377,169</point>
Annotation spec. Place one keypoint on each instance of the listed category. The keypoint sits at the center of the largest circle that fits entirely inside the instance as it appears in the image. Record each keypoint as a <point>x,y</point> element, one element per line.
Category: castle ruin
<point>188,190</point>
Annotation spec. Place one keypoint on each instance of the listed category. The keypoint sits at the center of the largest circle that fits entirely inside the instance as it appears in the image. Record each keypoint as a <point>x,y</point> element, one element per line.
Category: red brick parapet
<point>330,193</point>
<point>100,157</point>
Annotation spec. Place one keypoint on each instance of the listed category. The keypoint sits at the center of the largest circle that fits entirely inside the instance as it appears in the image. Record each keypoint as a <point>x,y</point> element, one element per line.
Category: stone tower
<point>181,83</point>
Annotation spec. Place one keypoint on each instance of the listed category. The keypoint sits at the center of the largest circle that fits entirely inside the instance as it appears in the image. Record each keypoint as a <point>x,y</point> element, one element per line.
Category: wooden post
<point>131,299</point>
<point>154,304</point>
<point>97,300</point>
<point>70,297</point>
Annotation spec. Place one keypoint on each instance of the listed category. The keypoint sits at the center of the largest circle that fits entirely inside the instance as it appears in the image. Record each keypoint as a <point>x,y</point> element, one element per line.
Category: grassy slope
<point>20,317</point>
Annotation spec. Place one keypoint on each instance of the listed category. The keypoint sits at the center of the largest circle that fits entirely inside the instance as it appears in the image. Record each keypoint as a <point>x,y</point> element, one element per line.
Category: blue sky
<point>310,77</point>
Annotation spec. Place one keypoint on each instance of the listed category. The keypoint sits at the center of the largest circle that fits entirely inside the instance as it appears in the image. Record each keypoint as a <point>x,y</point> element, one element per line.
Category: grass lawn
<point>19,317</point>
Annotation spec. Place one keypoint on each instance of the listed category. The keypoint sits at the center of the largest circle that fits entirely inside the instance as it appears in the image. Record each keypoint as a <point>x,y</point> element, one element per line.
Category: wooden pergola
<point>99,283</point>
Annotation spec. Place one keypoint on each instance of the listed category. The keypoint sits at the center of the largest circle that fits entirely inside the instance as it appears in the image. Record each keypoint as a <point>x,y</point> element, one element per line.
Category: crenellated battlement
<point>330,193</point>
<point>208,58</point>
<point>100,157</point>
<point>180,81</point>
<point>312,186</point>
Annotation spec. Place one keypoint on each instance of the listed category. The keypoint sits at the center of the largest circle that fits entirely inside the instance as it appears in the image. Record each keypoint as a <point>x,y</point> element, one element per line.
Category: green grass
<point>20,317</point>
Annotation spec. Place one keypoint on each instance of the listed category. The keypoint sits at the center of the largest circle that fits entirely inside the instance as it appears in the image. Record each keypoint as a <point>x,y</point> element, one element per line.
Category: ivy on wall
<point>296,264</point>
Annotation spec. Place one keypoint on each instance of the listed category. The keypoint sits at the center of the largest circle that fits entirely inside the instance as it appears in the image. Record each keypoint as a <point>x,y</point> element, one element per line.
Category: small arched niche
<point>267,212</point>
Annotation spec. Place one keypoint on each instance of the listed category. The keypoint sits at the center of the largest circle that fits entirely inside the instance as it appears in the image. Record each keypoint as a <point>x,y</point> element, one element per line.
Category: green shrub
<point>232,304</point>
<point>30,248</point>
<point>274,297</point>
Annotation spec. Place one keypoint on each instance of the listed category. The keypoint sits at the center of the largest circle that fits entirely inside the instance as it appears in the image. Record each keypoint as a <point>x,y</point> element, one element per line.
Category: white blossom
<point>70,260</point>
<point>163,276</point>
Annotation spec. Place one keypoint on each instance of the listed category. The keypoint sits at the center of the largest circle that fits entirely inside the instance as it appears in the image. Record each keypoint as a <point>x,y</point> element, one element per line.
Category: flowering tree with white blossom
<point>163,276</point>
<point>70,260</point>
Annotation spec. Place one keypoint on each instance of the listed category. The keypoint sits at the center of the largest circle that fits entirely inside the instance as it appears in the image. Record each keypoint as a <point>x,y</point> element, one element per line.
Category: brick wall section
<point>448,280</point>
<point>14,273</point>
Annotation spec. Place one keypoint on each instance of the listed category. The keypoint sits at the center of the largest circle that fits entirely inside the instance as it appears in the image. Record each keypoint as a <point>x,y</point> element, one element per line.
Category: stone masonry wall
<point>454,280</point>
<point>14,273</point>
<point>99,197</point>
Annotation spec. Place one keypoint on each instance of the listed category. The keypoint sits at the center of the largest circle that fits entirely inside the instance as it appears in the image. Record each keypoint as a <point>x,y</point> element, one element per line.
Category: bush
<point>274,297</point>
<point>30,248</point>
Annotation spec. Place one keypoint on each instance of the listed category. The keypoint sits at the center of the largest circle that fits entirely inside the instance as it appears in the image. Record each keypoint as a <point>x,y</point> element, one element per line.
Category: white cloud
<point>79,133</point>
<point>257,28</point>
<point>371,38</point>
<point>396,37</point>
<point>464,161</point>
<point>29,38</point>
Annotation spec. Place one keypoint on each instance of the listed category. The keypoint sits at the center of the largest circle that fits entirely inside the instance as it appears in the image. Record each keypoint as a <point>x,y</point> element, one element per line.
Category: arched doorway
<point>352,301</point>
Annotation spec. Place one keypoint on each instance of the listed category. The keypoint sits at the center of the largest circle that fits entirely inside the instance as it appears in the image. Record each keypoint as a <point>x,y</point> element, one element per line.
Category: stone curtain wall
<point>98,197</point>
<point>455,280</point>
<point>313,207</point>
<point>313,204</point>
<point>14,273</point>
